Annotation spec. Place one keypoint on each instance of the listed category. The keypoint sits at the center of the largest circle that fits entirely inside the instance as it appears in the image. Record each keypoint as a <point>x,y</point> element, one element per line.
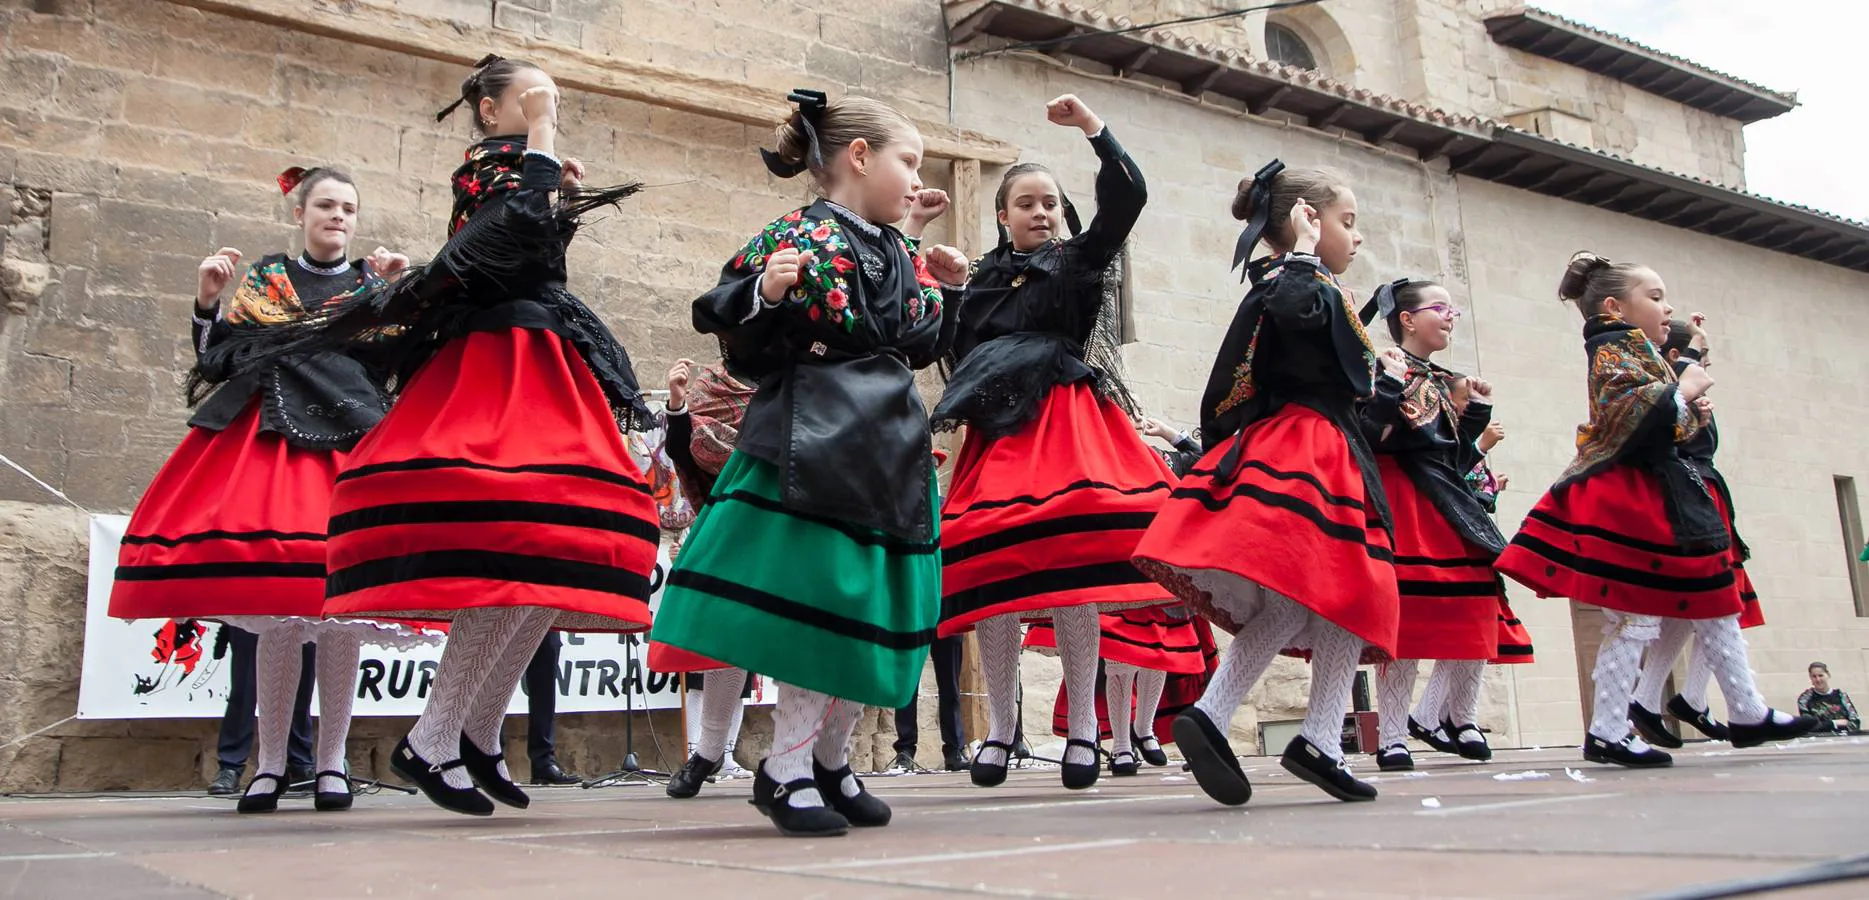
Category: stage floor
<point>1452,829</point>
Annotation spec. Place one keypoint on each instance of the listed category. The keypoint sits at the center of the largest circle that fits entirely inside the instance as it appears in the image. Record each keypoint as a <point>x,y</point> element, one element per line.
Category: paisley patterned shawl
<point>1629,380</point>
<point>716,404</point>
<point>1427,394</point>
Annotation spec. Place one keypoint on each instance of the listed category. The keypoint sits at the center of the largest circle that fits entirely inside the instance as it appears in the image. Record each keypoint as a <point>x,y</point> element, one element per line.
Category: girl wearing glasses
<point>1424,422</point>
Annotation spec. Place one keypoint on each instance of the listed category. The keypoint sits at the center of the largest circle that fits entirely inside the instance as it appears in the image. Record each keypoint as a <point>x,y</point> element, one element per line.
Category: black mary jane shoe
<point>989,774</point>
<point>1768,730</point>
<point>1437,738</point>
<point>1651,727</point>
<point>1702,720</point>
<point>1303,759</point>
<point>1477,749</point>
<point>1395,758</point>
<point>1216,769</point>
<point>427,777</point>
<point>484,768</point>
<point>1122,769</point>
<point>1078,776</point>
<point>263,802</point>
<point>865,810</point>
<point>769,797</point>
<point>1622,753</point>
<point>694,773</point>
<point>331,801</point>
<point>1151,749</point>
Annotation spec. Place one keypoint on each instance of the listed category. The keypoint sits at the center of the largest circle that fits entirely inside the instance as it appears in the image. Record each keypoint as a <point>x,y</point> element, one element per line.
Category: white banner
<point>169,669</point>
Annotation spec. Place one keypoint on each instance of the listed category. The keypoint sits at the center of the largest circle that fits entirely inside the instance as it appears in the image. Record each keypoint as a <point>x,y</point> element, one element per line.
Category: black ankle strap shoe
<point>772,798</point>
<point>1702,720</point>
<point>265,801</point>
<point>1078,776</point>
<point>1624,753</point>
<point>1151,749</point>
<point>1123,763</point>
<point>485,769</point>
<point>1216,768</point>
<point>1395,758</point>
<point>989,774</point>
<point>1309,762</point>
<point>1770,730</point>
<point>693,773</point>
<point>427,777</point>
<point>331,801</point>
<point>1469,741</point>
<point>1652,728</point>
<point>865,810</point>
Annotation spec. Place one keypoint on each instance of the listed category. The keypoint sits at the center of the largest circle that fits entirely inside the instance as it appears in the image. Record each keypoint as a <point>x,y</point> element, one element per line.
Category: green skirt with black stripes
<point>804,600</point>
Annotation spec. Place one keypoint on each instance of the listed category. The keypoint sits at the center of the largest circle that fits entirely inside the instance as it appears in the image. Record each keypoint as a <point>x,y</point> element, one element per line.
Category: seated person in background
<point>1828,705</point>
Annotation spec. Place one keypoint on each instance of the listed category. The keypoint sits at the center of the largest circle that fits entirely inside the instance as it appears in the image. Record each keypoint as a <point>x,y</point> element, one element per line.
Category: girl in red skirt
<point>1687,344</point>
<point>1053,487</point>
<point>233,527</point>
<point>1632,526</point>
<point>1452,697</point>
<point>1142,650</point>
<point>1280,533</point>
<point>1425,427</point>
<point>498,494</point>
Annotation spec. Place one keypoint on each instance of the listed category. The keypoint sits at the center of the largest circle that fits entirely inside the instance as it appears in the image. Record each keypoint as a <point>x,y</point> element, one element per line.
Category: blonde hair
<point>842,123</point>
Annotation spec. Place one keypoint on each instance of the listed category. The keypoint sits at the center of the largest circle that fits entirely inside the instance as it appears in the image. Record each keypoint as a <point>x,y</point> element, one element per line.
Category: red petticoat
<point>1049,516</point>
<point>1152,638</point>
<point>1179,691</point>
<point>1606,541</point>
<point>1449,591</point>
<point>233,525</point>
<point>1296,520</point>
<point>498,479</point>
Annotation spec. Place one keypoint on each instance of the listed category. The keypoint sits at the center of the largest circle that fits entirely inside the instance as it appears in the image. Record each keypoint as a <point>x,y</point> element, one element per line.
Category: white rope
<point>35,480</point>
<point>27,737</point>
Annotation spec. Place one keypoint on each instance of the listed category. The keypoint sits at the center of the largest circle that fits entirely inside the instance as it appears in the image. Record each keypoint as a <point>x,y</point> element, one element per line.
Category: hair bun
<point>1242,200</point>
<point>1577,274</point>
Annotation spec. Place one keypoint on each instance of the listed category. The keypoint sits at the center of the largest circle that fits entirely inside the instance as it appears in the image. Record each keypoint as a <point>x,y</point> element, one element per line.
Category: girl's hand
<point>678,378</point>
<point>946,264</point>
<point>539,104</point>
<point>783,269</point>
<point>214,274</point>
<point>1695,382</point>
<point>1394,363</point>
<point>386,264</point>
<point>573,175</point>
<point>1070,111</point>
<point>1306,227</point>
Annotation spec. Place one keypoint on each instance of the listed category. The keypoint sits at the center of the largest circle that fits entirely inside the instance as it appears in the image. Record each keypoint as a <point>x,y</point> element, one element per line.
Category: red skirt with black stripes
<point>1606,540</point>
<point>233,525</point>
<point>1294,520</point>
<point>1515,640</point>
<point>1449,591</point>
<point>1050,515</point>
<point>498,479</point>
<point>1165,639</point>
<point>1179,691</point>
